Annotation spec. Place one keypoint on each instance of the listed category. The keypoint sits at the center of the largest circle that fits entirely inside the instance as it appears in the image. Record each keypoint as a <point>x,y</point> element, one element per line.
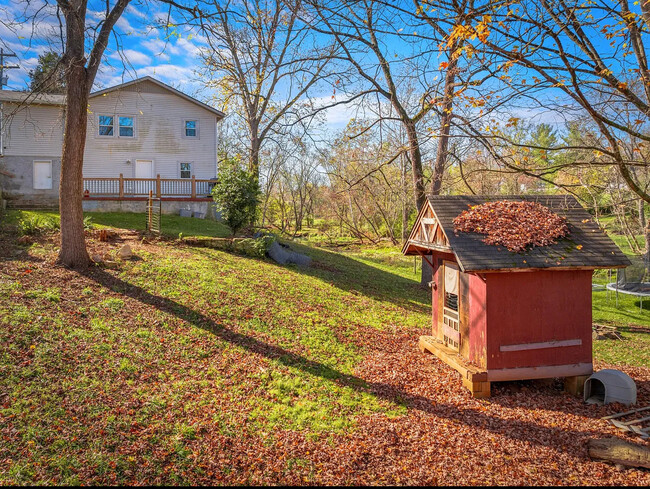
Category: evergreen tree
<point>49,74</point>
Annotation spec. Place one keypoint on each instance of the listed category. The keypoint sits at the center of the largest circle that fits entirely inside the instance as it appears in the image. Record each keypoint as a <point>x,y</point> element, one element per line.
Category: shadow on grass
<point>356,277</point>
<point>12,250</point>
<point>516,429</point>
<point>351,275</point>
<point>171,225</point>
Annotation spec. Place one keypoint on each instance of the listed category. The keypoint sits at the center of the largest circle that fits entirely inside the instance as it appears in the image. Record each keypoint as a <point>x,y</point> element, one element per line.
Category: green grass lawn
<point>171,225</point>
<point>191,365</point>
<point>387,261</point>
<point>161,339</point>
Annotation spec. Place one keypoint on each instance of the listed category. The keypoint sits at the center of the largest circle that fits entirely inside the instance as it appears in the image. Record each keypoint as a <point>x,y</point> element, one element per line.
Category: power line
<point>4,79</point>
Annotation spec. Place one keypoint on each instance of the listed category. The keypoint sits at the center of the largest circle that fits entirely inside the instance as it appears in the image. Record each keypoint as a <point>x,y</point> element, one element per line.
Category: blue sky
<point>170,56</point>
<point>138,48</point>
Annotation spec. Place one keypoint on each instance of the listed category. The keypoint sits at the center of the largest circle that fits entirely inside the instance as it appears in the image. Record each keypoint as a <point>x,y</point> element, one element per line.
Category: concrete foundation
<point>18,182</point>
<point>207,208</point>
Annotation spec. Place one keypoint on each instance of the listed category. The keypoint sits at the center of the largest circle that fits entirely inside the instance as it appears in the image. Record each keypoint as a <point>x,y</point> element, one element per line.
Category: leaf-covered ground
<point>194,366</point>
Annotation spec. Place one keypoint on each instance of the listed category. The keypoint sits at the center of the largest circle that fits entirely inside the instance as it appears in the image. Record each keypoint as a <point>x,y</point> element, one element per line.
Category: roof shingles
<point>473,255</point>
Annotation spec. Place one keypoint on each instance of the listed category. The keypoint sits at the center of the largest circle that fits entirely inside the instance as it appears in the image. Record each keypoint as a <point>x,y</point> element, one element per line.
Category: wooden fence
<point>121,188</point>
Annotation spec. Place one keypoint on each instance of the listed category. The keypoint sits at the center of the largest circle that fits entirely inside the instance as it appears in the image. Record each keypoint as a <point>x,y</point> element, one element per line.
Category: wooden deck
<point>122,188</point>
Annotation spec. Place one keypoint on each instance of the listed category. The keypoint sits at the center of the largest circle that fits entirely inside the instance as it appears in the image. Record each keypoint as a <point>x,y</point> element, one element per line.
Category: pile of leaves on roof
<point>513,224</point>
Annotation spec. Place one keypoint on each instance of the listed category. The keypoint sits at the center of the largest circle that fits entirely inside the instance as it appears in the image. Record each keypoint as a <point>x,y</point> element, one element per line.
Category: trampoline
<point>637,286</point>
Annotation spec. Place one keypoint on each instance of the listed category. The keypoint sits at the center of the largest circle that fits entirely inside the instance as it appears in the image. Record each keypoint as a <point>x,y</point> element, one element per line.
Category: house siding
<point>35,130</point>
<point>159,130</point>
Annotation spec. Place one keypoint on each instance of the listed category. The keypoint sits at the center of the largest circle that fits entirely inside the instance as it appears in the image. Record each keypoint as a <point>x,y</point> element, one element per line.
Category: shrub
<point>88,223</point>
<point>236,194</point>
<point>257,247</point>
<point>36,224</point>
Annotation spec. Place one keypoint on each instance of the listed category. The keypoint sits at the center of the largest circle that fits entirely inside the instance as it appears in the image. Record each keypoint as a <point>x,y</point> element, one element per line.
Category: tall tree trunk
<point>418,187</point>
<point>445,129</point>
<point>416,164</point>
<point>254,163</point>
<point>79,80</point>
<point>256,143</point>
<point>645,225</point>
<point>73,246</point>
<point>405,215</point>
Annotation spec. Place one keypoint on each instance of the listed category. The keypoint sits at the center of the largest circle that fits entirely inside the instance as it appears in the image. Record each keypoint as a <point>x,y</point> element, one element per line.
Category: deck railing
<point>121,187</point>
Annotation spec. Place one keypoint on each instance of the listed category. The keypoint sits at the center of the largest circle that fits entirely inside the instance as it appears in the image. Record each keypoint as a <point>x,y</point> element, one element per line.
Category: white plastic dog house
<point>610,385</point>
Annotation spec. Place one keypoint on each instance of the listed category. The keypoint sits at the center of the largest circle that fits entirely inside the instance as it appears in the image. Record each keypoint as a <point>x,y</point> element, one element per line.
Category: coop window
<point>451,301</point>
<point>450,316</point>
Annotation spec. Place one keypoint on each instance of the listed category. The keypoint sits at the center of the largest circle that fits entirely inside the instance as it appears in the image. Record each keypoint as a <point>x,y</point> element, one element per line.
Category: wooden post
<point>150,207</point>
<point>158,186</point>
<point>193,187</point>
<point>121,186</point>
<point>575,385</point>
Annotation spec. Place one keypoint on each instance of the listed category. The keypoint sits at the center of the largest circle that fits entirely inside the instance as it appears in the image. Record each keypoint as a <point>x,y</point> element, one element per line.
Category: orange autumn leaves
<point>515,225</point>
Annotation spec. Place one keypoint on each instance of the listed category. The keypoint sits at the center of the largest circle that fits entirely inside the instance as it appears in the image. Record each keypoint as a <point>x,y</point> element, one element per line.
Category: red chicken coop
<point>500,315</point>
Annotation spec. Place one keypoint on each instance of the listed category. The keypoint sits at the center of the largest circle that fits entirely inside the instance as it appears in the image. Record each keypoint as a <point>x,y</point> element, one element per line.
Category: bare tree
<point>80,71</point>
<point>586,61</point>
<point>263,60</point>
<point>364,31</point>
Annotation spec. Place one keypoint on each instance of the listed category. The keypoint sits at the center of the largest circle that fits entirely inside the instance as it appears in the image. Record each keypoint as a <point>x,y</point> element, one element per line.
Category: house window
<point>191,129</point>
<point>186,170</point>
<point>106,125</point>
<point>127,125</point>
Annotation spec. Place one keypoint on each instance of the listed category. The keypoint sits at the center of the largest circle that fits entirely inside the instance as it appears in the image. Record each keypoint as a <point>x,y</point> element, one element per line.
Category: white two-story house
<point>142,136</point>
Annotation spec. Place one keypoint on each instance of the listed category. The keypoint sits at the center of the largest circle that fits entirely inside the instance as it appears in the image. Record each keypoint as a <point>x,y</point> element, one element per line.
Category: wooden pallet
<point>638,425</point>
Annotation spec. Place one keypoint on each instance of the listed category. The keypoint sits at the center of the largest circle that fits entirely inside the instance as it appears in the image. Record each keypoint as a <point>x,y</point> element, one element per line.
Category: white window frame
<point>116,126</point>
<point>197,129</point>
<point>99,126</point>
<point>132,117</point>
<point>34,175</point>
<point>180,172</point>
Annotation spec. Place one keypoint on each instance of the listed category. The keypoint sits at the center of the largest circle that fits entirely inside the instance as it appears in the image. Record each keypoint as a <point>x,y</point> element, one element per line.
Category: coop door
<point>450,319</point>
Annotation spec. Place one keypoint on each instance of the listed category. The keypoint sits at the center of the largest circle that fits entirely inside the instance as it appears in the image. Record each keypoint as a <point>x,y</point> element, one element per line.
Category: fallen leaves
<point>513,224</point>
<point>141,394</point>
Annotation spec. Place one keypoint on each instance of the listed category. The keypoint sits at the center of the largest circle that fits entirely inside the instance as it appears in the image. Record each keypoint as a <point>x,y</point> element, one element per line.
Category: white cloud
<point>141,13</point>
<point>177,76</point>
<point>339,115</point>
<point>131,56</point>
<point>124,25</point>
<point>186,47</point>
<point>157,47</point>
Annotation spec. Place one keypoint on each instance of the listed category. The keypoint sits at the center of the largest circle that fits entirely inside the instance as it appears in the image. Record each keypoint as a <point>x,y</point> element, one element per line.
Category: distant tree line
<point>451,96</point>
